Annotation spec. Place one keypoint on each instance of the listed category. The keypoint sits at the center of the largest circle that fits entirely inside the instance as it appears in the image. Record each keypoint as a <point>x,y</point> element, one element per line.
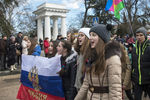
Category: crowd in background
<point>12,47</point>
<point>95,65</point>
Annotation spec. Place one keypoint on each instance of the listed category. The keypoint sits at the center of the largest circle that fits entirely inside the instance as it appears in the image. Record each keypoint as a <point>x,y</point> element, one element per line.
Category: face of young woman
<point>140,37</point>
<point>81,38</point>
<point>93,39</point>
<point>51,48</point>
<point>60,48</point>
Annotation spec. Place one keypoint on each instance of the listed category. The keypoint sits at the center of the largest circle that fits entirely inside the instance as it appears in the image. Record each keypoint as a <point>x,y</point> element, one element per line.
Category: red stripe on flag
<point>26,93</point>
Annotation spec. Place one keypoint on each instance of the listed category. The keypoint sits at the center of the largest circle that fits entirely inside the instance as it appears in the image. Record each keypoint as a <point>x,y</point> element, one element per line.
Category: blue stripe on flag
<point>49,84</point>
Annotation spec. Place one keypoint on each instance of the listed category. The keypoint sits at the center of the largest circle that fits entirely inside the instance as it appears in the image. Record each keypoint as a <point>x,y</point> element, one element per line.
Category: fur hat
<point>85,31</point>
<point>142,30</point>
<point>103,31</point>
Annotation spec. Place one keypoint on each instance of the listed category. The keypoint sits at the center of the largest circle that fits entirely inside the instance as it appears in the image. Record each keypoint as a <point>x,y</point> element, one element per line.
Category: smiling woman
<point>99,83</point>
<point>68,68</point>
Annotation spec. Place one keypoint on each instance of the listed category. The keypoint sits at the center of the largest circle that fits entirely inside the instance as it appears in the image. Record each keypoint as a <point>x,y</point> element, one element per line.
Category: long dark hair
<point>67,45</point>
<point>33,45</point>
<point>55,43</point>
<point>97,58</point>
<point>80,49</point>
<point>72,37</point>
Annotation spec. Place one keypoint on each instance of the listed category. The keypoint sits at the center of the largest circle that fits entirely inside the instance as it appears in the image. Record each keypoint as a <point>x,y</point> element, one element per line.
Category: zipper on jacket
<point>139,66</point>
<point>144,46</point>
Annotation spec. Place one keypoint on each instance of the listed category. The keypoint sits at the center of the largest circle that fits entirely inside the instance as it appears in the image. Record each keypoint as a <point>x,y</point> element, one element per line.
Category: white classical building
<point>44,13</point>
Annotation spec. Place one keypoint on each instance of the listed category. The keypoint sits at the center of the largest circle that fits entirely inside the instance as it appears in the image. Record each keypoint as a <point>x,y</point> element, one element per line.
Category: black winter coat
<point>141,63</point>
<point>11,54</point>
<point>19,42</point>
<point>69,75</point>
<point>3,46</point>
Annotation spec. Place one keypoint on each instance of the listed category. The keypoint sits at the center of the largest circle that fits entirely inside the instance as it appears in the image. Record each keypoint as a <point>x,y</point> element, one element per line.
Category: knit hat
<point>142,30</point>
<point>103,31</point>
<point>85,31</point>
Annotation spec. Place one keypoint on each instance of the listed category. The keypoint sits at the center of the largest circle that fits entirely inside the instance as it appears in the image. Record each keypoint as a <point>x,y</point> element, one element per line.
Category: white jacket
<point>24,47</point>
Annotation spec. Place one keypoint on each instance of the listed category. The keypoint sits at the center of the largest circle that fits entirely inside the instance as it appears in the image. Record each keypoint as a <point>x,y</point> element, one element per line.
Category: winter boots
<point>12,67</point>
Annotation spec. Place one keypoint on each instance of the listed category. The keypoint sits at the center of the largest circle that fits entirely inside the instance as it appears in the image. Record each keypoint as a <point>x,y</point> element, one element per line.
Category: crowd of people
<point>95,65</point>
<point>13,47</point>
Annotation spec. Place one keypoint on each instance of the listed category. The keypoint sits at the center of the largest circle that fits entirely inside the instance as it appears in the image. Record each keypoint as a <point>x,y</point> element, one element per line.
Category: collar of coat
<point>71,57</point>
<point>112,48</point>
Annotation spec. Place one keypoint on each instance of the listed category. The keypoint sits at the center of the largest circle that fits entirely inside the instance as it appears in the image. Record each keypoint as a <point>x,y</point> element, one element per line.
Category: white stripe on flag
<point>45,66</point>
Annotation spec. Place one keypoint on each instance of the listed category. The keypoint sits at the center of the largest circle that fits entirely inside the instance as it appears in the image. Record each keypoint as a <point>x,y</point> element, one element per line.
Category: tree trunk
<point>85,16</point>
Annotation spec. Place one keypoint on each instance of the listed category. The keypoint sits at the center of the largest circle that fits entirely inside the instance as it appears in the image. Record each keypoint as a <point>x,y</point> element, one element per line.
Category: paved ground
<point>9,86</point>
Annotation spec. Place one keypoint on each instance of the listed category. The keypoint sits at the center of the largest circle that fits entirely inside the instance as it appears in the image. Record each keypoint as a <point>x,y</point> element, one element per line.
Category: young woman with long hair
<point>35,48</point>
<point>80,47</point>
<point>126,72</point>
<point>52,50</point>
<point>68,68</point>
<point>103,72</point>
<point>70,37</point>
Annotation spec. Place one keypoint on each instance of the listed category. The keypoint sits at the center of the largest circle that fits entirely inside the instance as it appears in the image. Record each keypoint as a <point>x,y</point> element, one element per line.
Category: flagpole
<point>129,21</point>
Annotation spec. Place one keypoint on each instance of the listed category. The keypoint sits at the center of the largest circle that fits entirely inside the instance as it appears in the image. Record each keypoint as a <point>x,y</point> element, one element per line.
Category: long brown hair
<point>33,44</point>
<point>72,37</point>
<point>99,63</point>
<point>124,58</point>
<point>123,53</point>
<point>67,45</point>
<point>55,43</point>
<point>80,49</point>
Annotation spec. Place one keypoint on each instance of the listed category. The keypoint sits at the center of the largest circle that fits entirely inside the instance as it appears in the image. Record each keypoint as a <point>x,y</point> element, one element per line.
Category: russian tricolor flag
<point>39,79</point>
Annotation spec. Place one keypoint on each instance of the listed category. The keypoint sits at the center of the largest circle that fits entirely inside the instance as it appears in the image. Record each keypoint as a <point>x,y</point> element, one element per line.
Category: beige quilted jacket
<point>111,78</point>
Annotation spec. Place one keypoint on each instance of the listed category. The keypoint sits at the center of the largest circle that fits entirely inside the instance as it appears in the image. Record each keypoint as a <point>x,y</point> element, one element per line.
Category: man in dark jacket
<point>19,47</point>
<point>3,52</point>
<point>141,64</point>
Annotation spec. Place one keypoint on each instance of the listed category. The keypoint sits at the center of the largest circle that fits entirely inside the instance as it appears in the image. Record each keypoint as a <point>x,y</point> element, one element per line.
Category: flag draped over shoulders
<point>39,80</point>
<point>115,6</point>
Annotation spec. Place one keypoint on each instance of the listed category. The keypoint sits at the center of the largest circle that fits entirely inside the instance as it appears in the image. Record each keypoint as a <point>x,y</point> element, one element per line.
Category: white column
<point>47,27</point>
<point>39,29</point>
<point>55,28</point>
<point>63,27</point>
